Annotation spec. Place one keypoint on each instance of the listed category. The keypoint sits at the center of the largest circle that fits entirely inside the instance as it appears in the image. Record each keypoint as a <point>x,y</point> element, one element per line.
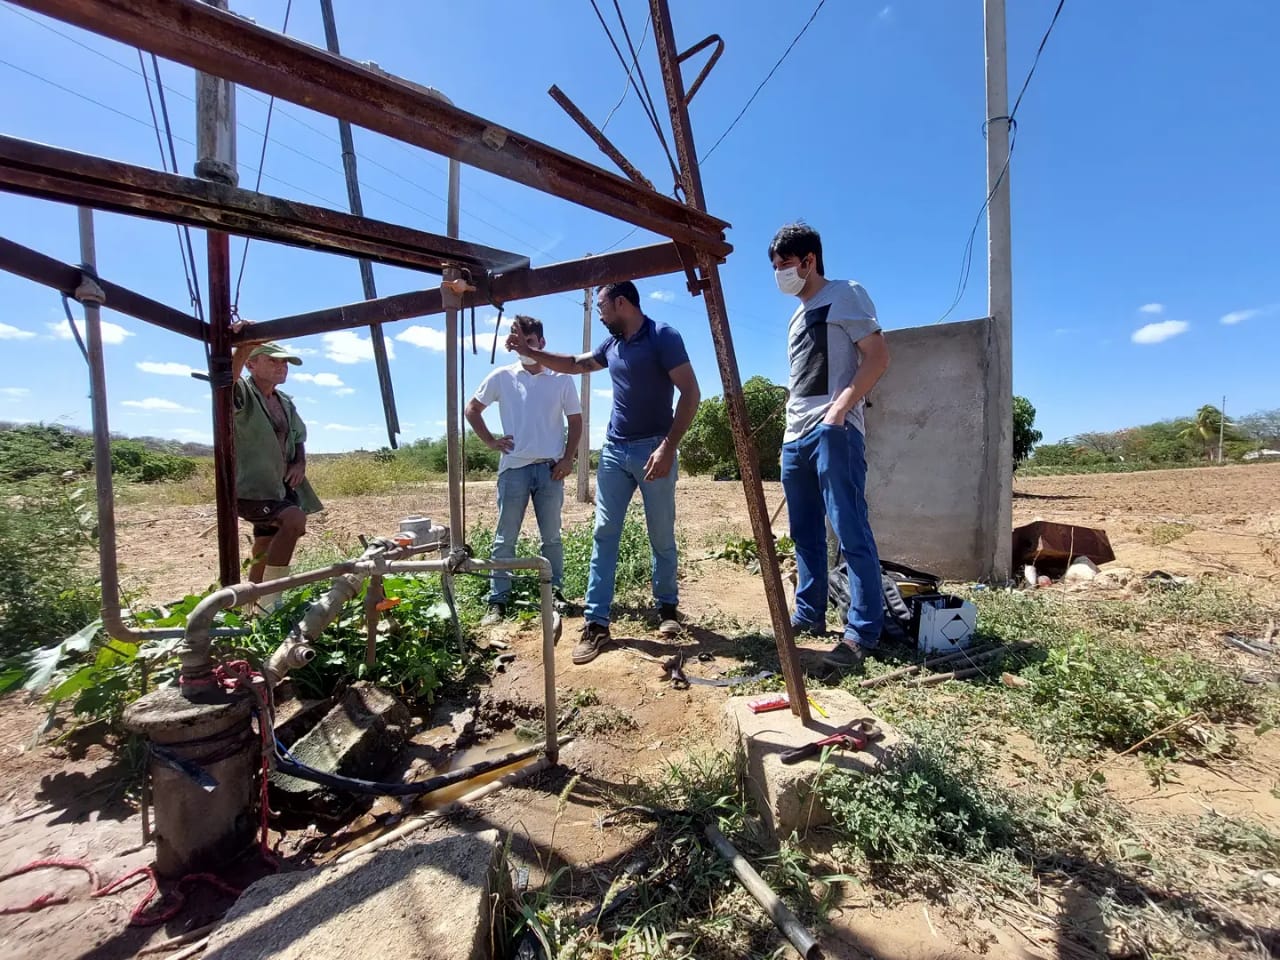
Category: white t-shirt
<point>532,408</point>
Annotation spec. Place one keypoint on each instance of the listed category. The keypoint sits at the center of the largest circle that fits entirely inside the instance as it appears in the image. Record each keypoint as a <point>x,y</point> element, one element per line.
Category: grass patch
<point>1163,534</point>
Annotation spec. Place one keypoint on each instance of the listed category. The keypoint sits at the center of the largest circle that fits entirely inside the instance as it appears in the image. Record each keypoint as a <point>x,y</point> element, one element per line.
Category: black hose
<point>376,788</point>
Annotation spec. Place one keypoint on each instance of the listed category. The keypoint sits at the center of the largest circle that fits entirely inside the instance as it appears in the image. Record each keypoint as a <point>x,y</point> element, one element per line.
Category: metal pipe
<point>779,913</point>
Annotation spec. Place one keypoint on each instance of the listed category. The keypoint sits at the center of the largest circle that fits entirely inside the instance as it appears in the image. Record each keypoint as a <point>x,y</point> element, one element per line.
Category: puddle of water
<point>489,750</point>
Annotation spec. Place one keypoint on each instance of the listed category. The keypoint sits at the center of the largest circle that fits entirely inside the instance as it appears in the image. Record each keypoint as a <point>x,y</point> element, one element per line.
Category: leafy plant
<point>1025,435</point>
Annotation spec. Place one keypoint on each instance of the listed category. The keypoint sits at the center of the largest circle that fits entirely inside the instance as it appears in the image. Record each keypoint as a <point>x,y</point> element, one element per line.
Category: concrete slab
<point>359,737</point>
<point>784,793</point>
<point>431,898</point>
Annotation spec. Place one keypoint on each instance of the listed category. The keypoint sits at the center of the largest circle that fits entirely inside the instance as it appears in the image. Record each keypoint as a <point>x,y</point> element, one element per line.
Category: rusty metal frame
<point>192,33</point>
<point>52,173</point>
<point>218,43</point>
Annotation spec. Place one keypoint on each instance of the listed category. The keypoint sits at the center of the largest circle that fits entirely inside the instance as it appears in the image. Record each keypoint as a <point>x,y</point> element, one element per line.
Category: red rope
<point>138,917</point>
<point>232,676</point>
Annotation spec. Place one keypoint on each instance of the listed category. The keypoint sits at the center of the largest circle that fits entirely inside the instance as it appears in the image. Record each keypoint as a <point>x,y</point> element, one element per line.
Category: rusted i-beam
<point>571,275</point>
<point>722,338</point>
<point>193,34</point>
<point>597,136</point>
<point>25,262</point>
<point>36,169</point>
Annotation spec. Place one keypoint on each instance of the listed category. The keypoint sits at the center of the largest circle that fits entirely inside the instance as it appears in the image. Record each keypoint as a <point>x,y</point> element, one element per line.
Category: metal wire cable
<point>966,259</point>
<point>626,87</point>
<point>257,187</point>
<point>768,76</point>
<point>645,104</point>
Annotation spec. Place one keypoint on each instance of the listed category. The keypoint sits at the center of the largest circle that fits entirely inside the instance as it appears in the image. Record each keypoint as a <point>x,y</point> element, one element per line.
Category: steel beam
<point>64,278</point>
<point>193,34</point>
<point>38,170</point>
<point>722,338</point>
<point>569,276</point>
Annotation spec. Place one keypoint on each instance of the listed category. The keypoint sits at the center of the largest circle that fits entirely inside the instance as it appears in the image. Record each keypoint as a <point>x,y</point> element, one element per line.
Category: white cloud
<point>320,379</point>
<point>158,404</point>
<point>166,369</point>
<point>341,428</point>
<point>1063,331</point>
<point>886,13</point>
<point>190,433</point>
<point>429,338</point>
<point>1240,316</point>
<point>112,333</point>
<point>8,332</point>
<point>344,346</point>
<point>1159,332</point>
<point>664,296</point>
<point>14,393</point>
<point>1155,309</point>
<point>345,391</point>
<point>301,351</point>
<point>603,394</point>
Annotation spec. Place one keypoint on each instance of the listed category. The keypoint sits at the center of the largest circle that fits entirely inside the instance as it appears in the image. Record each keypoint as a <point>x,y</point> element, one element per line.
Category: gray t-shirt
<point>821,349</point>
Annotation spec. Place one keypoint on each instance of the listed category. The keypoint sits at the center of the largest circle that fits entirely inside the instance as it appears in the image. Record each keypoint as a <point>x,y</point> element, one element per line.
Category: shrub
<point>44,596</point>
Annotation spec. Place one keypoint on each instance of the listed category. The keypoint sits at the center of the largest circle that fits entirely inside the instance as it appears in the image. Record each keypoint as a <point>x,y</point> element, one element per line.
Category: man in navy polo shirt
<point>647,363</point>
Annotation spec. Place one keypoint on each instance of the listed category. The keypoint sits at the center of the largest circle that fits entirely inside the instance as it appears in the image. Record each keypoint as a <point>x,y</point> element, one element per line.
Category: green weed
<point>1163,534</point>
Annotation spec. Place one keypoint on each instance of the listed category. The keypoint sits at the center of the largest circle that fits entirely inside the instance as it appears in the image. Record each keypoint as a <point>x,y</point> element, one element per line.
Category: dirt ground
<point>67,801</point>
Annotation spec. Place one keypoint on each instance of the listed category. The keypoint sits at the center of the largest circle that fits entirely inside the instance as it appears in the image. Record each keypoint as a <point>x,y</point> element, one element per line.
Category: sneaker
<point>497,613</point>
<point>594,638</point>
<point>845,656</point>
<point>808,629</point>
<point>670,620</point>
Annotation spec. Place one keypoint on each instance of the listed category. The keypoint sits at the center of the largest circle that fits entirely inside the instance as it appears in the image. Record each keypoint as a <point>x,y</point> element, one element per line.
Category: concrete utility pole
<point>376,338</point>
<point>584,445</point>
<point>997,507</point>
<point>216,161</point>
<point>1222,424</point>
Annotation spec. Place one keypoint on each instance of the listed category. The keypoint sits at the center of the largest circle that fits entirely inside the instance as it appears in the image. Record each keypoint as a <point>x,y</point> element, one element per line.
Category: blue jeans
<point>516,487</point>
<point>824,474</point>
<point>621,470</point>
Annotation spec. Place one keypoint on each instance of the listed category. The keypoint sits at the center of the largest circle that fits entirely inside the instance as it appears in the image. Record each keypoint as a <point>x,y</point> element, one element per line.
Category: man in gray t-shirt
<point>836,354</point>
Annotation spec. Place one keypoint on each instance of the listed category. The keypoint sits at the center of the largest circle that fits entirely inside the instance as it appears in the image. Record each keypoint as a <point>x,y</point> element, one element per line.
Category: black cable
<point>66,306</point>
<point>966,259</point>
<point>257,187</point>
<point>626,87</point>
<point>653,110</point>
<point>173,155</point>
<point>766,79</point>
<point>646,106</point>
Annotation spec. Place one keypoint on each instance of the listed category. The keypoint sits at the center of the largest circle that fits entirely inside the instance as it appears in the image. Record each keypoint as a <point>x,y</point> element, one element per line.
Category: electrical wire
<point>966,259</point>
<point>626,87</point>
<point>645,104</point>
<point>767,77</point>
<point>257,187</point>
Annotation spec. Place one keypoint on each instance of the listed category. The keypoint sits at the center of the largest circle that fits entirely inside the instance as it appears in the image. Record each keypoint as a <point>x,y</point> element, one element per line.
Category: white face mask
<point>789,280</point>
<point>528,361</point>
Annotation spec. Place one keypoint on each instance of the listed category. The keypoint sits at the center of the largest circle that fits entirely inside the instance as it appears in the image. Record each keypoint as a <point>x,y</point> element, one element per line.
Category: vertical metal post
<point>101,431</point>
<point>453,304</point>
<point>376,337</point>
<point>997,513</point>
<point>584,445</point>
<point>722,338</point>
<point>216,160</point>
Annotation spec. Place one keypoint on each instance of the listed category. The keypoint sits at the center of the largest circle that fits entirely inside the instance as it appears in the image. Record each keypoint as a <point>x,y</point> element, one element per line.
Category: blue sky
<point>1145,195</point>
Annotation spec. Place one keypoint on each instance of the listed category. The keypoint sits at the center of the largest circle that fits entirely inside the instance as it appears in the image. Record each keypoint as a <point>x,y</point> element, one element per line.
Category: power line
<point>762,83</point>
<point>257,187</point>
<point>966,259</point>
<point>626,87</point>
<point>418,155</point>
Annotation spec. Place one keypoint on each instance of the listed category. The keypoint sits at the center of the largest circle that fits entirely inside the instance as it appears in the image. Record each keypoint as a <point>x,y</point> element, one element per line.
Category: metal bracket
<point>701,45</point>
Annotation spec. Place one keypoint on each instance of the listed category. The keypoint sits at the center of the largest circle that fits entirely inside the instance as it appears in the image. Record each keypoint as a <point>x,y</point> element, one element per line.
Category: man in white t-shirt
<point>533,403</point>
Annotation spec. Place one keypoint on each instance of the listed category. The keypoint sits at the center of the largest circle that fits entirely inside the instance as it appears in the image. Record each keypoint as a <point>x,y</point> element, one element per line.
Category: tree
<point>1025,436</point>
<point>1262,428</point>
<point>708,446</point>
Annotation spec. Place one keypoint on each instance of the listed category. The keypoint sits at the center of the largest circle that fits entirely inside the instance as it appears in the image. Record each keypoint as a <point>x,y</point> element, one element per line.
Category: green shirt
<point>261,455</point>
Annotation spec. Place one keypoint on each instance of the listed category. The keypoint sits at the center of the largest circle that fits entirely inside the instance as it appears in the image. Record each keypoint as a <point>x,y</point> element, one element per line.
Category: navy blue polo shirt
<point>640,369</point>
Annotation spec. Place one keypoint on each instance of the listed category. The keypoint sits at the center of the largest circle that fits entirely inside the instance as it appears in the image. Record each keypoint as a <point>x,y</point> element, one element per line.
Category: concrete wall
<point>926,451</point>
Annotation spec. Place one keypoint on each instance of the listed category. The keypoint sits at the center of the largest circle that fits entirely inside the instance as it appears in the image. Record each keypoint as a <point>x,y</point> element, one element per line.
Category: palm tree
<point>1202,432</point>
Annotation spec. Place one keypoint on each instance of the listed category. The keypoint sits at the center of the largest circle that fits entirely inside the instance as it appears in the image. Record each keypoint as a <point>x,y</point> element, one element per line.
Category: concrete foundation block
<point>359,737</point>
<point>437,897</point>
<point>784,792</point>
